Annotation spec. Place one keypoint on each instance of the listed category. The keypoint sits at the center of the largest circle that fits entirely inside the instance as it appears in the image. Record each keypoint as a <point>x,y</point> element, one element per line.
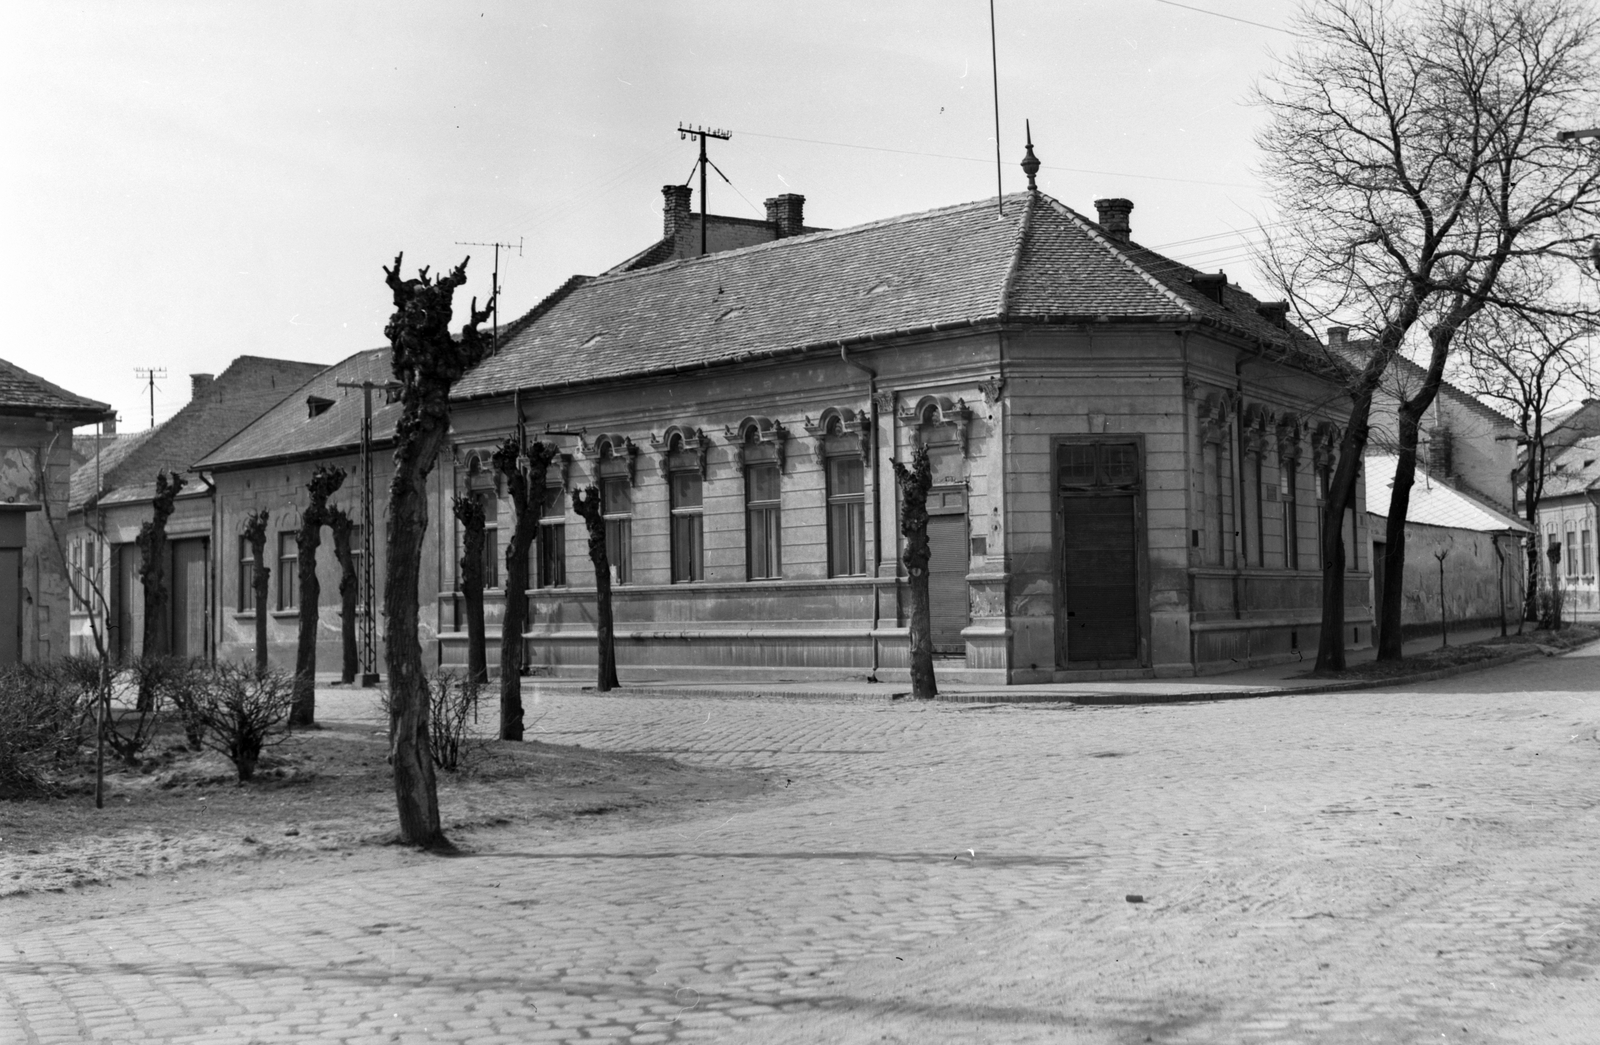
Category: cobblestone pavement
<point>1383,866</point>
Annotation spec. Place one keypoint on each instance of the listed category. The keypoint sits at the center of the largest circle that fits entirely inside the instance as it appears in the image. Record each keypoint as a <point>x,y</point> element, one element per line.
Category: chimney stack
<point>786,214</point>
<point>1274,312</point>
<point>1338,337</point>
<point>1114,218</point>
<point>109,425</point>
<point>198,383</point>
<point>677,214</point>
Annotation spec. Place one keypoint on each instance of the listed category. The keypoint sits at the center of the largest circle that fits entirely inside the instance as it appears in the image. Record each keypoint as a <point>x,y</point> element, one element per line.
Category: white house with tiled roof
<point>1128,455</point>
<point>1569,515</point>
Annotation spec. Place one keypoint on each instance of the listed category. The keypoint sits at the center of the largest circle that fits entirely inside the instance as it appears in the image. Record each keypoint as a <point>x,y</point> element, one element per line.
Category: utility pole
<point>148,375</point>
<point>369,623</point>
<point>686,131</point>
<point>494,287</point>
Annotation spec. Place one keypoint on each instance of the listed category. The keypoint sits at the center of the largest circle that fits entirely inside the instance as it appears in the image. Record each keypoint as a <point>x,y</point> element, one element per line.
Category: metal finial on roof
<point>1030,162</point>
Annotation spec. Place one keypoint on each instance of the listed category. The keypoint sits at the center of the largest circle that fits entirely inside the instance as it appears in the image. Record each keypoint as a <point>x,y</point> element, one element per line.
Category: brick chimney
<point>1114,218</point>
<point>1274,312</point>
<point>786,214</point>
<point>676,212</point>
<point>199,383</point>
<point>1338,337</point>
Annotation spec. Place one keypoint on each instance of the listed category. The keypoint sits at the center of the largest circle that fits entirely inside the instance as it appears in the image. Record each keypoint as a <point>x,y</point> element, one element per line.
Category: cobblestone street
<point>1383,866</point>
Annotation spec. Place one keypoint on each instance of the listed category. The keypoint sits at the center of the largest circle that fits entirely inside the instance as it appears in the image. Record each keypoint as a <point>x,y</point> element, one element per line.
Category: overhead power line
<point>1231,18</point>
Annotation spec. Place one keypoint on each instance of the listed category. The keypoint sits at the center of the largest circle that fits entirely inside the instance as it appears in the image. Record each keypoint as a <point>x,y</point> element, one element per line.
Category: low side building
<point>36,447</point>
<point>1463,555</point>
<point>266,467</point>
<point>1128,456</point>
<point>112,493</point>
<point>1569,515</point>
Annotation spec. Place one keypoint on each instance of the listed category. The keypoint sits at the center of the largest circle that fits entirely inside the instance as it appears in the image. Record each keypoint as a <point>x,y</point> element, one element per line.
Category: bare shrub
<point>243,712</point>
<point>130,731</point>
<point>452,700</point>
<point>43,723</point>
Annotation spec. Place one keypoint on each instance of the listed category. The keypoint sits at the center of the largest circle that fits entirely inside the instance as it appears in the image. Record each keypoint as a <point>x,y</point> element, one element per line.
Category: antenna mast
<point>494,295</point>
<point>994,64</point>
<point>148,375</point>
<point>687,131</point>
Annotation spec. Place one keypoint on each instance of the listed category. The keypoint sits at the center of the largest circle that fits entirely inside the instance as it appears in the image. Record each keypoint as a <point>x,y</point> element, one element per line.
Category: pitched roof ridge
<point>807,237</point>
<point>1092,231</point>
<point>1008,285</point>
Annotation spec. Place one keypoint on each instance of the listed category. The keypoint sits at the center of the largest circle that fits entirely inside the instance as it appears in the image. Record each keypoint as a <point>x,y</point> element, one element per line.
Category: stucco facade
<point>1127,456</point>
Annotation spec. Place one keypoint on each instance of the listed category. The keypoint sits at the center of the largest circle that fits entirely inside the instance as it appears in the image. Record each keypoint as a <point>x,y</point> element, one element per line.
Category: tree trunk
<point>152,544</point>
<point>521,465</point>
<point>470,514</point>
<point>587,504</point>
<point>324,481</point>
<point>1341,496</point>
<point>426,361</point>
<point>415,787</point>
<point>343,528</point>
<point>914,485</point>
<point>1536,466</point>
<point>255,531</point>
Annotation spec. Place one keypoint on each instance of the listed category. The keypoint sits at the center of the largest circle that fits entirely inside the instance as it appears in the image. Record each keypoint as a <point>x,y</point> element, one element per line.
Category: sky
<point>185,183</point>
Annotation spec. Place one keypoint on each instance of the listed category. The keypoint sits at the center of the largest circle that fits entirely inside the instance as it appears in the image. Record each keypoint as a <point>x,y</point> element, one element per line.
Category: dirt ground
<point>323,790</point>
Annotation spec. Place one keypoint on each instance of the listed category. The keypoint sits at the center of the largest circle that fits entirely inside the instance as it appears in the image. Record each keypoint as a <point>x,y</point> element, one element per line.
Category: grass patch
<point>324,789</point>
<point>1467,654</point>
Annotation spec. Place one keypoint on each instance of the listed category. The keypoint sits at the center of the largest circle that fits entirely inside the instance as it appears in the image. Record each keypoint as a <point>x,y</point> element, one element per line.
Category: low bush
<point>452,702</point>
<point>241,712</point>
<point>45,718</point>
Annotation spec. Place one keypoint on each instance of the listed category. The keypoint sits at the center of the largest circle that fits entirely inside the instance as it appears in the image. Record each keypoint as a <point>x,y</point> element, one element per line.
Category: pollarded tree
<point>914,483</point>
<point>152,544</point>
<point>1415,160</point>
<point>324,483</point>
<point>523,465</point>
<point>469,513</point>
<point>344,554</point>
<point>427,361</point>
<point>255,534</point>
<point>586,503</point>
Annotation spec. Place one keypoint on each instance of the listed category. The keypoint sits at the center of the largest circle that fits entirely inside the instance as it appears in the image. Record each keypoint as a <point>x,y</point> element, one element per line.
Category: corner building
<point>1128,454</point>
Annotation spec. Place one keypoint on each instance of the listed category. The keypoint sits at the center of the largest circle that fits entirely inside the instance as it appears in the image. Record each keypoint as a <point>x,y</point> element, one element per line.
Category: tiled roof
<point>1432,502</point>
<point>30,394</point>
<point>1576,470</point>
<point>113,451</point>
<point>241,393</point>
<point>941,269</point>
<point>288,430</point>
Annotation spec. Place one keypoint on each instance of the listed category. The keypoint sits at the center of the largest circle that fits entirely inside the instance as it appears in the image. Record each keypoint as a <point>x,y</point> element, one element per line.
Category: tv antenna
<point>494,286</point>
<point>687,131</point>
<point>148,375</point>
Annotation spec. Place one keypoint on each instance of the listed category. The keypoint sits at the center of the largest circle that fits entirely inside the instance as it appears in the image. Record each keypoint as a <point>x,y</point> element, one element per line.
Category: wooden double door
<point>1101,612</point>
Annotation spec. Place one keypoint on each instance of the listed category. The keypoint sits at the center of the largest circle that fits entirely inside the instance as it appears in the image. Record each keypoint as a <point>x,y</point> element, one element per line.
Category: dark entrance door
<point>948,561</point>
<point>189,599</point>
<point>10,605</point>
<point>1099,484</point>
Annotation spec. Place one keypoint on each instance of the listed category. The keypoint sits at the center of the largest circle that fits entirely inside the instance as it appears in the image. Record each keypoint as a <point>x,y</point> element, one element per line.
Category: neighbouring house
<point>266,467</point>
<point>37,419</point>
<point>1463,555</point>
<point>111,499</point>
<point>1128,455</point>
<point>1568,517</point>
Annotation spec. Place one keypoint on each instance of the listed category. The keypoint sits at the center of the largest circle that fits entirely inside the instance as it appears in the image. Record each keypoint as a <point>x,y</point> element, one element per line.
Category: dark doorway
<point>1099,484</point>
<point>189,597</point>
<point>10,606</point>
<point>947,569</point>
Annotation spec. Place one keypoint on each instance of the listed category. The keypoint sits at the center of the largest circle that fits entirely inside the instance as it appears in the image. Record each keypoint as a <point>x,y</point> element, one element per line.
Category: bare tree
<point>255,534</point>
<point>586,503</point>
<point>324,483</point>
<point>1528,364</point>
<point>427,361</point>
<point>152,544</point>
<point>1416,164</point>
<point>523,464</point>
<point>914,483</point>
<point>343,528</point>
<point>469,513</point>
